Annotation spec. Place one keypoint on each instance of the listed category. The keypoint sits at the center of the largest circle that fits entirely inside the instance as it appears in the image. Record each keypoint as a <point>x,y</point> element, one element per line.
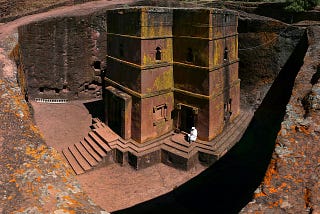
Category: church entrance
<point>115,115</point>
<point>118,111</point>
<point>187,117</point>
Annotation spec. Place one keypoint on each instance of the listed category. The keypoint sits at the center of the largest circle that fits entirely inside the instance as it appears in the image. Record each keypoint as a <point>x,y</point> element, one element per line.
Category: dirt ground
<point>112,187</point>
<point>62,124</point>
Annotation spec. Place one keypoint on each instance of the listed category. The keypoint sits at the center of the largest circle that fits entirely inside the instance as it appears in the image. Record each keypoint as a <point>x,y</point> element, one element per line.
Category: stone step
<point>232,126</point>
<point>105,135</point>
<point>174,151</point>
<point>225,147</point>
<point>72,162</point>
<point>95,146</point>
<point>204,148</point>
<point>103,125</point>
<point>94,154</point>
<point>98,125</point>
<point>234,136</point>
<point>95,126</point>
<point>206,151</point>
<point>225,138</point>
<point>79,158</point>
<point>96,120</point>
<point>99,141</point>
<point>119,143</point>
<point>179,147</point>
<point>86,154</point>
<point>180,139</point>
<point>240,121</point>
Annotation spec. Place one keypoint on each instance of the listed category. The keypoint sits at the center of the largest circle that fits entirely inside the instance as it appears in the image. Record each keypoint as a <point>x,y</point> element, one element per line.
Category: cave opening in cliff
<point>229,184</point>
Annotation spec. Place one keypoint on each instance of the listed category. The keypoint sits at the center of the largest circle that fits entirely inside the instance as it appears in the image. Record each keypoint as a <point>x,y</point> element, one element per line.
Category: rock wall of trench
<point>264,47</point>
<point>291,183</point>
<point>62,57</point>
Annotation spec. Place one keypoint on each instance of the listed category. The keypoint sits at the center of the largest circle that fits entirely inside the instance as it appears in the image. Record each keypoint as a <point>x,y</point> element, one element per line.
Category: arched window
<point>121,50</point>
<point>158,53</point>
<point>190,55</point>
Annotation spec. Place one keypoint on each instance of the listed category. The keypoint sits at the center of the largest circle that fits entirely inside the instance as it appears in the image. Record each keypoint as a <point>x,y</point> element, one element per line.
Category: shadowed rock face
<point>63,57</point>
<point>291,184</point>
<point>264,47</point>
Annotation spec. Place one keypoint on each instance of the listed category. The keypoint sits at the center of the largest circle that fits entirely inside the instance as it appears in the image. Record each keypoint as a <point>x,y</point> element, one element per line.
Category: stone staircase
<point>89,152</point>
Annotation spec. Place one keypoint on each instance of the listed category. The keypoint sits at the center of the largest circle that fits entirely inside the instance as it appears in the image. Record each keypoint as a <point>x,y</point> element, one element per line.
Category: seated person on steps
<point>193,135</point>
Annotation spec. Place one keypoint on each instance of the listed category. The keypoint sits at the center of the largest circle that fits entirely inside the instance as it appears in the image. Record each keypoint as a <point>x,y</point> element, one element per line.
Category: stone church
<point>170,69</point>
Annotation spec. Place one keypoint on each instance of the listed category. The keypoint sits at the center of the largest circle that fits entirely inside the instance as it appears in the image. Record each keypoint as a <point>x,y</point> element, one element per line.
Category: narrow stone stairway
<point>89,152</point>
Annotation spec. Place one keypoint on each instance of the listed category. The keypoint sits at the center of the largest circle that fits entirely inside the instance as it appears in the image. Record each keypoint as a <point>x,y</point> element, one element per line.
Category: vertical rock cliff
<point>291,184</point>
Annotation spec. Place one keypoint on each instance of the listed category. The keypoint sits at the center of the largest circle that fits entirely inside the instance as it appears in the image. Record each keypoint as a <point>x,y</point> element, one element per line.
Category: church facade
<point>170,69</point>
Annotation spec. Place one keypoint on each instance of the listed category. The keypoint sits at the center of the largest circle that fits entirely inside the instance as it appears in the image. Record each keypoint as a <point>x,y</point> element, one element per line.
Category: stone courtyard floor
<point>112,187</point>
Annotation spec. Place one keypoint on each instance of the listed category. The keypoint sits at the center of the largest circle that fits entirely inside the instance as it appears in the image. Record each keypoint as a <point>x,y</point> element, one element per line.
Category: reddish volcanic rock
<point>291,183</point>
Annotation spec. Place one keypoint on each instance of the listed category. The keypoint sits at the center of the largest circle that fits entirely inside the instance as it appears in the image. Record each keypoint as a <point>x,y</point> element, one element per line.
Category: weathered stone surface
<point>291,184</point>
<point>34,178</point>
<point>264,47</point>
<point>59,56</point>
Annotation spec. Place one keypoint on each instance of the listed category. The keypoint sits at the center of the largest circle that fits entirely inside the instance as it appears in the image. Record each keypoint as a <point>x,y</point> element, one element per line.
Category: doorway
<point>115,114</point>
<point>118,111</point>
<point>187,118</point>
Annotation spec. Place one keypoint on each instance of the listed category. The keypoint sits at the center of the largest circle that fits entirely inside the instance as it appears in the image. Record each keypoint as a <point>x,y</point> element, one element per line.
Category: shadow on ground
<point>96,109</point>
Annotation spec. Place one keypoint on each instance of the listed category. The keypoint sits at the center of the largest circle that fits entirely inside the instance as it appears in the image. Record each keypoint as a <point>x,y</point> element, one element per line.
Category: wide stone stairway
<point>92,150</point>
